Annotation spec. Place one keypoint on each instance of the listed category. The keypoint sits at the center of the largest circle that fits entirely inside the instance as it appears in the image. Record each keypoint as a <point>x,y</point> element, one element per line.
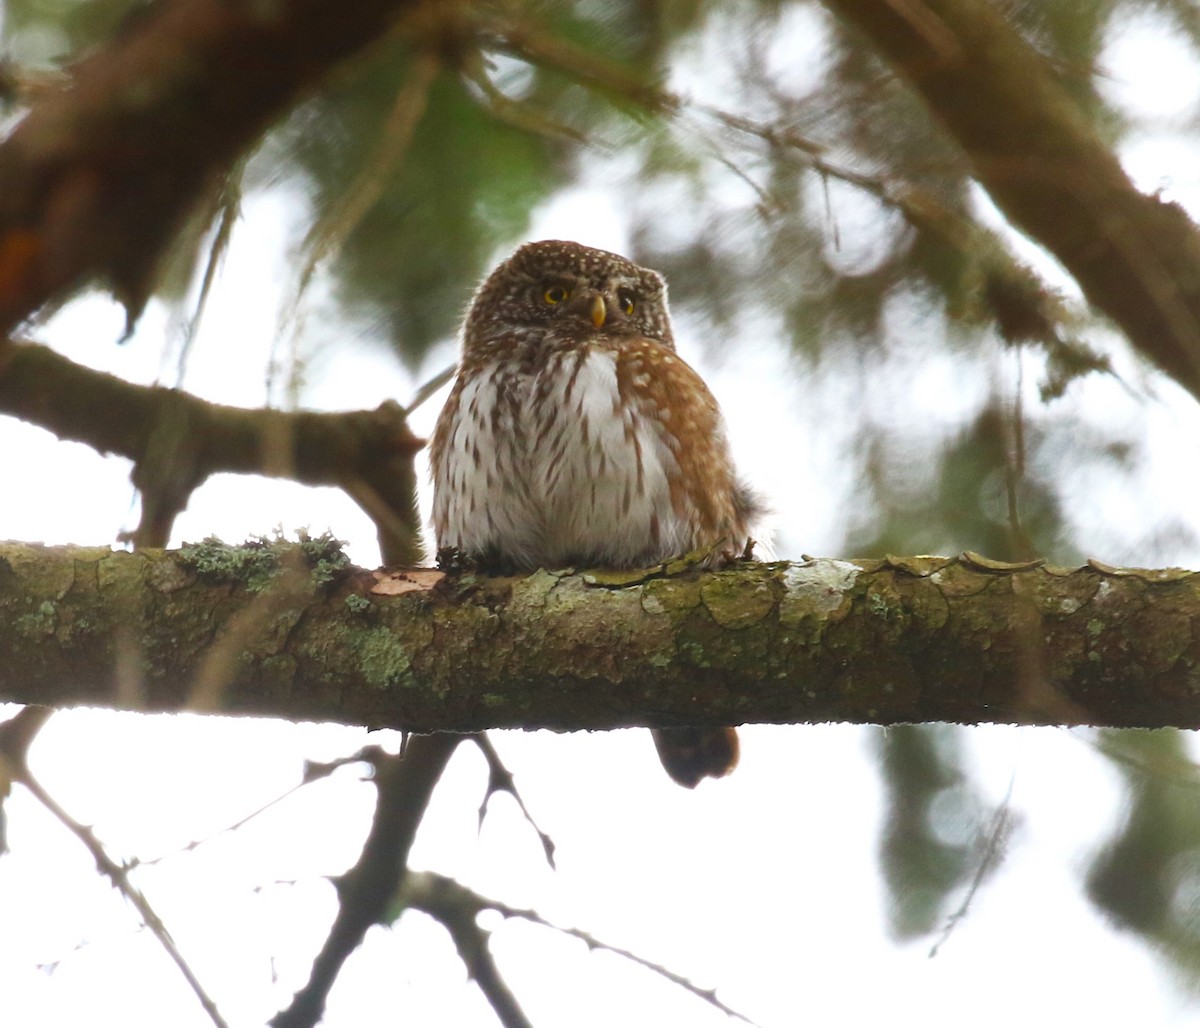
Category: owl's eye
<point>556,294</point>
<point>625,299</point>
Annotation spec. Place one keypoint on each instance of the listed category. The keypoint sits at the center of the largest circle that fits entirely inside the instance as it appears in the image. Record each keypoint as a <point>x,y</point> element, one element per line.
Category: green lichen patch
<point>357,604</point>
<point>38,623</point>
<point>383,658</point>
<point>735,601</point>
<point>257,562</point>
<point>675,597</point>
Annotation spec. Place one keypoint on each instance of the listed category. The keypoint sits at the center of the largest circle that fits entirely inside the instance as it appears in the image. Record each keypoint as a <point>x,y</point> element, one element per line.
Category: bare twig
<point>500,779</point>
<point>16,734</point>
<point>453,903</point>
<point>453,907</point>
<point>313,772</point>
<point>229,208</point>
<point>326,238</point>
<point>997,836</point>
<point>429,388</point>
<point>12,754</point>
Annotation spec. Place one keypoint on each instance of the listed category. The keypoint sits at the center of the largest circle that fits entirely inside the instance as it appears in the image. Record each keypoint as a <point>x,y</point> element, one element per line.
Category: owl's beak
<point>599,310</point>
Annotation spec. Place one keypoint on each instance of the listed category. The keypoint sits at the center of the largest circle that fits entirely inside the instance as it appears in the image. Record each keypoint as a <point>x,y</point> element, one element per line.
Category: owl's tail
<point>690,754</point>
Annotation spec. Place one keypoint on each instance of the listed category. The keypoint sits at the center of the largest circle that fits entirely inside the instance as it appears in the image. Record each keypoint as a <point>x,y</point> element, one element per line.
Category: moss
<point>256,563</point>
<point>675,597</point>
<point>38,623</point>
<point>383,658</point>
<point>277,673</point>
<point>357,604</point>
<point>735,601</point>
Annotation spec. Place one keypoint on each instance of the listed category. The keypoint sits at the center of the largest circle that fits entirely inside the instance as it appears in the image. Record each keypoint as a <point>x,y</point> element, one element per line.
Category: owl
<point>575,436</point>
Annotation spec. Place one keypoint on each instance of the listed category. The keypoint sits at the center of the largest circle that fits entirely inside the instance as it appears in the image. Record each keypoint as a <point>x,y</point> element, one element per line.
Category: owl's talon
<point>453,561</point>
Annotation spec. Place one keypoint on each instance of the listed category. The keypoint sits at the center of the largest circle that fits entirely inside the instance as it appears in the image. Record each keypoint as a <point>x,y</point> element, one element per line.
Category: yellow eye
<point>556,294</point>
<point>625,299</point>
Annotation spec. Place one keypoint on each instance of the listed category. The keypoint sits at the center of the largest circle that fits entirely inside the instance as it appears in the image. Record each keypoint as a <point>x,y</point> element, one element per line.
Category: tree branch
<point>1136,257</point>
<point>367,453</point>
<point>405,784</point>
<point>98,175</point>
<point>884,641</point>
<point>458,908</point>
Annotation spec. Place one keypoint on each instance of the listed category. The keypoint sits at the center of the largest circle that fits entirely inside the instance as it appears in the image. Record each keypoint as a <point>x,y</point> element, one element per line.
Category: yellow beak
<point>599,311</point>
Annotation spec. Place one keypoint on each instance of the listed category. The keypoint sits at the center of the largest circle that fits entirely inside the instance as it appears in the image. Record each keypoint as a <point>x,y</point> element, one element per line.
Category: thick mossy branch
<point>882,641</point>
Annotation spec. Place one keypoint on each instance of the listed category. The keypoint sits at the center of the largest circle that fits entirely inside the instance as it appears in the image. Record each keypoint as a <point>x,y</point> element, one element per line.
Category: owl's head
<point>571,292</point>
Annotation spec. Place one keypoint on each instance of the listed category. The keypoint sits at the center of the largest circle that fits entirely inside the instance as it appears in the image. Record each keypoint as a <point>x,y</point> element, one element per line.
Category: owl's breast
<point>601,465</point>
<point>576,461</point>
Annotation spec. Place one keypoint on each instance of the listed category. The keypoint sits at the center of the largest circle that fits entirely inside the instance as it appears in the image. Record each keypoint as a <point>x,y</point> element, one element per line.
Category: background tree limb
<point>177,440</point>
<point>1136,257</point>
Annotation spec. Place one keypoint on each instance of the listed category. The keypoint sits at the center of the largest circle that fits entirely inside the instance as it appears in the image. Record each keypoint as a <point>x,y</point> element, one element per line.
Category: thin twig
<point>313,772</point>
<point>500,779</point>
<point>429,388</point>
<point>328,235</point>
<point>453,907</point>
<point>119,876</point>
<point>997,834</point>
<point>434,894</point>
<point>326,238</point>
<point>229,210</point>
<point>368,889</point>
<point>520,116</point>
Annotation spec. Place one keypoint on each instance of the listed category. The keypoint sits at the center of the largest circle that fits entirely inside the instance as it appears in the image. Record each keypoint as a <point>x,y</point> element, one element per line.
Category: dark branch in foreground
<point>882,641</point>
<point>368,889</point>
<point>96,178</point>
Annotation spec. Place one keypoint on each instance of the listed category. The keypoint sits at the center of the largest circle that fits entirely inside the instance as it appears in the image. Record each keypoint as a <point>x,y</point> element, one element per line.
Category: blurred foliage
<point>787,184</point>
<point>465,184</point>
<point>987,496</point>
<point>936,837</point>
<point>43,33</point>
<point>1147,877</point>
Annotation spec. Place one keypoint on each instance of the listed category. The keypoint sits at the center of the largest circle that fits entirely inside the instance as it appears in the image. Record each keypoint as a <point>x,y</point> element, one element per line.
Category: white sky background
<point>765,885</point>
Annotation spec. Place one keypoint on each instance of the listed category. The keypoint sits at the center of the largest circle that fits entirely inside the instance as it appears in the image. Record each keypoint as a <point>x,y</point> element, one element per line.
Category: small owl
<point>576,436</point>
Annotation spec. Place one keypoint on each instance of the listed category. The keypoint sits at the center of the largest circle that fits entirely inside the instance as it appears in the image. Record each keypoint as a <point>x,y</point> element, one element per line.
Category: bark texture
<point>295,632</point>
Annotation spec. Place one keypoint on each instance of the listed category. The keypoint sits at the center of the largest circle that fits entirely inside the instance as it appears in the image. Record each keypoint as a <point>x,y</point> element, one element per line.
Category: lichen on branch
<point>887,641</point>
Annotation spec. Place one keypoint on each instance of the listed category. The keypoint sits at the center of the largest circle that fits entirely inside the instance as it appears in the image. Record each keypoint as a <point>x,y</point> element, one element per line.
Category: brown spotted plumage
<point>574,435</point>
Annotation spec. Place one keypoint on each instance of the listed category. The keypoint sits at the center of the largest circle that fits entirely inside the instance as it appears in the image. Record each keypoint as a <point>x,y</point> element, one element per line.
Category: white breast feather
<point>578,476</point>
<point>603,474</point>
